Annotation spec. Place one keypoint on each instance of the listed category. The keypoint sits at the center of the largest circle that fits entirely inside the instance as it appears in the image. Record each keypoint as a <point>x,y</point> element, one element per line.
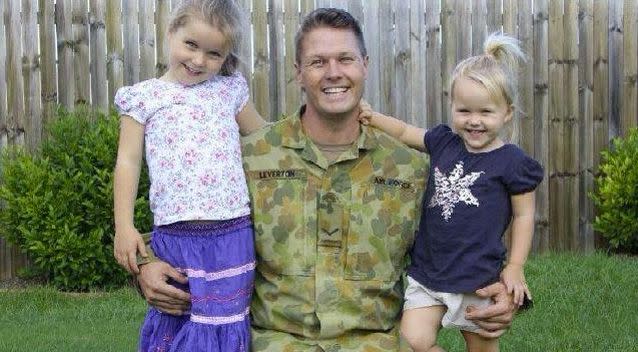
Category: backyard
<point>581,303</point>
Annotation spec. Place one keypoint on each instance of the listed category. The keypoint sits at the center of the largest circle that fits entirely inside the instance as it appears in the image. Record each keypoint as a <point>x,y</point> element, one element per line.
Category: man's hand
<point>495,318</point>
<point>153,279</point>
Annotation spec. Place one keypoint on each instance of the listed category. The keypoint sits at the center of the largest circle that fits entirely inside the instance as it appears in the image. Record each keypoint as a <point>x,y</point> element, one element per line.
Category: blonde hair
<point>495,69</point>
<point>226,15</point>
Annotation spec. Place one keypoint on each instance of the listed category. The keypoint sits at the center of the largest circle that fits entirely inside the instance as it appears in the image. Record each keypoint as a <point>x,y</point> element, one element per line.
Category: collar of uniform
<point>295,137</point>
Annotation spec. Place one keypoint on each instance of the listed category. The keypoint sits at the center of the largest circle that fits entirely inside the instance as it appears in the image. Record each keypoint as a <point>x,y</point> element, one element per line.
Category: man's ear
<point>297,73</point>
<point>365,65</point>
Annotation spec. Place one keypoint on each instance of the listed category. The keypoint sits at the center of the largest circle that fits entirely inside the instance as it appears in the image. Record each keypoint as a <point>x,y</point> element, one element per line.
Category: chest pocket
<point>382,229</point>
<point>279,206</point>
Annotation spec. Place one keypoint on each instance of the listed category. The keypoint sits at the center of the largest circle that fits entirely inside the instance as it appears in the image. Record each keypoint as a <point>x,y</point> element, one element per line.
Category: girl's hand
<point>365,112</point>
<point>514,280</point>
<point>125,247</point>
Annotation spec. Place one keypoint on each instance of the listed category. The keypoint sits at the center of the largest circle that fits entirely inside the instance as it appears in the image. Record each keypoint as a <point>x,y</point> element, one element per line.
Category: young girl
<point>477,185</point>
<point>188,122</point>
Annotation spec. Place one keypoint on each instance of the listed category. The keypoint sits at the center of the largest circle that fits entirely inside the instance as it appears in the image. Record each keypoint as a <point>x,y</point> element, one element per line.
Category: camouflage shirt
<point>331,239</point>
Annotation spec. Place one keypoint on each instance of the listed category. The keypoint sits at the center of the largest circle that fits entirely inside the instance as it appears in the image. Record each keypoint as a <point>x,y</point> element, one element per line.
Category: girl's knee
<point>477,343</point>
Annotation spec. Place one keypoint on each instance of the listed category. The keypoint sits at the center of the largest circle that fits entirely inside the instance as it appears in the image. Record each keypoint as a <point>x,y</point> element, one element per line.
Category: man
<point>335,209</point>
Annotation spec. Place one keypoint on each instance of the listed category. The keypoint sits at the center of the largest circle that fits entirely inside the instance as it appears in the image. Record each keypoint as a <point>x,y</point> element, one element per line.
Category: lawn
<point>581,303</point>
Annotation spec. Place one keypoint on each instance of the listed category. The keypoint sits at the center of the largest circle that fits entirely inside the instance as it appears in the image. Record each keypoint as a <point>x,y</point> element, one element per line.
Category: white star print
<point>453,189</point>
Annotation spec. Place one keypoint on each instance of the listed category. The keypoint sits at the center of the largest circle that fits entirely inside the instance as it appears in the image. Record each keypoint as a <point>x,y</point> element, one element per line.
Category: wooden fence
<point>578,89</point>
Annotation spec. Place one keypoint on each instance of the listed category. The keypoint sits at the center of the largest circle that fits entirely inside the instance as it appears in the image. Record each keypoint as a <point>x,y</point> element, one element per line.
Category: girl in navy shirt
<point>478,185</point>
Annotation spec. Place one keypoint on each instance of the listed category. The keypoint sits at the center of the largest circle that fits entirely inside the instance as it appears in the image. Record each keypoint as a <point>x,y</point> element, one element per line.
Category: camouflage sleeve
<point>151,255</point>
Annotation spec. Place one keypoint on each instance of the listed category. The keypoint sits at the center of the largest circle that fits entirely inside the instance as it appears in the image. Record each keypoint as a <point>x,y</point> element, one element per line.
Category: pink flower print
<point>190,157</point>
<point>170,139</point>
<point>178,99</point>
<point>221,157</point>
<point>205,180</point>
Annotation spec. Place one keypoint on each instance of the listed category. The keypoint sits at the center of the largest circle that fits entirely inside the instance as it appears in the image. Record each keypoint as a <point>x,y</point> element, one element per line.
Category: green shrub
<point>616,195</point>
<point>57,204</point>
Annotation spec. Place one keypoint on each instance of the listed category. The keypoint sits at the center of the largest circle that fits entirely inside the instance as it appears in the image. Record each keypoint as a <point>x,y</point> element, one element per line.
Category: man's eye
<point>315,63</point>
<point>191,44</point>
<point>346,59</point>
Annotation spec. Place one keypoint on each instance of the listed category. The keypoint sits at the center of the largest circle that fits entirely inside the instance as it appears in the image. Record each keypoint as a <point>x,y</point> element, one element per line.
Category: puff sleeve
<point>133,101</point>
<point>241,91</point>
<point>524,175</point>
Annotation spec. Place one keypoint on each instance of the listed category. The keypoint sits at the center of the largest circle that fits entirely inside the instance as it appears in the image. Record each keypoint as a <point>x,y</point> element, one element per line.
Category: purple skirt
<point>219,260</point>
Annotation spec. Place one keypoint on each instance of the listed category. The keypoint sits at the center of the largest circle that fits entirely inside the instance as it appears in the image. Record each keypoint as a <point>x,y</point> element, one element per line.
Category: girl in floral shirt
<point>188,123</point>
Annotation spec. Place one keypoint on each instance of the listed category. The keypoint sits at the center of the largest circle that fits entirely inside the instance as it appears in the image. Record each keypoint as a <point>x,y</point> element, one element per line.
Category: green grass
<point>42,319</point>
<point>581,303</point>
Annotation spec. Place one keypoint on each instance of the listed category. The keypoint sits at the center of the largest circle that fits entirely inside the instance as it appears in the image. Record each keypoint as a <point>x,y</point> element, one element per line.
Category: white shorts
<point>419,296</point>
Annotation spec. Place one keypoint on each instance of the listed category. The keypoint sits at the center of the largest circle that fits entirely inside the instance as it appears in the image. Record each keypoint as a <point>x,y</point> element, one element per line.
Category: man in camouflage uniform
<point>335,209</point>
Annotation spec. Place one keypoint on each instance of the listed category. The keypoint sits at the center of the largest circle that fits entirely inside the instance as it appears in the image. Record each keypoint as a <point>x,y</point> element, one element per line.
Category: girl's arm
<point>523,207</point>
<point>126,178</point>
<point>410,135</point>
<point>249,119</point>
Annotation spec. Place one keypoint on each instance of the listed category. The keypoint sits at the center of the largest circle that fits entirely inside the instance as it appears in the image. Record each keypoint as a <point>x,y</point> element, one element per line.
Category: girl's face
<point>477,117</point>
<point>196,50</point>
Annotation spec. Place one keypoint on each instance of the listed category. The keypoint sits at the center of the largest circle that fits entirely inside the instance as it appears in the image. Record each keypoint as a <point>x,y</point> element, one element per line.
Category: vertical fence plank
<point>115,56</point>
<point>99,84</point>
<point>15,83</point>
<point>433,62</point>
<point>261,71</point>
<point>479,26</point>
<point>417,114</point>
<point>277,46</point>
<point>3,88</point>
<point>31,74</point>
<point>373,46</point>
<point>245,48</point>
<point>586,114</point>
<point>162,13</point>
<point>292,91</point>
<point>558,222</point>
<point>571,123</point>
<point>387,76</point>
<point>526,77</point>
<point>448,50</point>
<point>147,40</point>
<point>48,71</point>
<point>131,31</point>
<point>5,252</point>
<point>615,65</point>
<point>629,111</point>
<point>541,122</point>
<point>464,35</point>
<point>402,61</point>
<point>64,30</point>
<point>80,27</point>
<point>510,17</point>
<point>494,16</point>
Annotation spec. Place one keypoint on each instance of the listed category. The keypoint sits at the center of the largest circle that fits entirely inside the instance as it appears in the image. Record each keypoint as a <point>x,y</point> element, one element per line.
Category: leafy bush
<point>57,204</point>
<point>617,194</point>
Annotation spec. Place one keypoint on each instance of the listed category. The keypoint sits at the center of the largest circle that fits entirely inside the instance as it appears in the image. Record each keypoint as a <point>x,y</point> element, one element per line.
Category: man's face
<point>332,72</point>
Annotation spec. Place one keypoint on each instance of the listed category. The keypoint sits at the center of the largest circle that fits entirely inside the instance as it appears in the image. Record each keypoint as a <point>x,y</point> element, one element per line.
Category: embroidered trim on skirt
<point>219,260</point>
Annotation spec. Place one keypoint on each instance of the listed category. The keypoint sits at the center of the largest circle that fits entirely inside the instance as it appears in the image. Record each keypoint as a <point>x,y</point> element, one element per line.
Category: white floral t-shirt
<point>192,146</point>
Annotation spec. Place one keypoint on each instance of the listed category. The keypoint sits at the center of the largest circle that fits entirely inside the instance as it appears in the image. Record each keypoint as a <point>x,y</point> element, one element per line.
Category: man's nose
<point>333,69</point>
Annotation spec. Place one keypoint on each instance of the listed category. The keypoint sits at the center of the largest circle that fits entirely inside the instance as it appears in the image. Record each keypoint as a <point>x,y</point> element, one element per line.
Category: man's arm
<point>496,318</point>
<point>152,281</point>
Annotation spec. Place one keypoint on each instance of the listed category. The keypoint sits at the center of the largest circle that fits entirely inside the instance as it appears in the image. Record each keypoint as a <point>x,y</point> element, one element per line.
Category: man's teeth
<point>335,90</point>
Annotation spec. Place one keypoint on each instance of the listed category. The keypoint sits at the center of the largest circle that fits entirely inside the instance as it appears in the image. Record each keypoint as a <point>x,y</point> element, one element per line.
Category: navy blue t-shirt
<point>466,209</point>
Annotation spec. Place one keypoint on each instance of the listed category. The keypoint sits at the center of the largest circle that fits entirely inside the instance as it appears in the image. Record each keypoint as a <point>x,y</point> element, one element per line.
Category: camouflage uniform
<point>331,239</point>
